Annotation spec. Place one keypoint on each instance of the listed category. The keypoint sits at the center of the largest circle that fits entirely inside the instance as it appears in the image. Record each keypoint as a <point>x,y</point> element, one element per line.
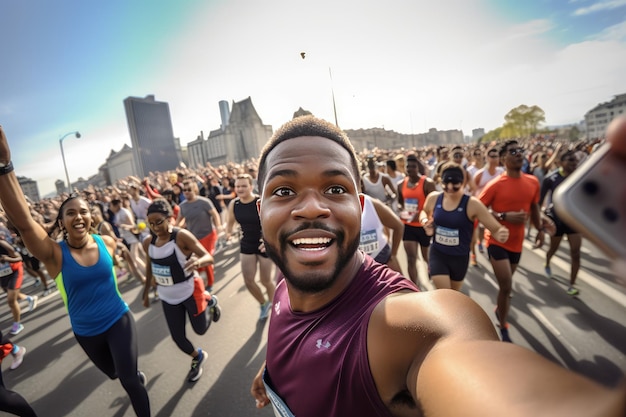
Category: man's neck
<point>514,172</point>
<point>306,302</point>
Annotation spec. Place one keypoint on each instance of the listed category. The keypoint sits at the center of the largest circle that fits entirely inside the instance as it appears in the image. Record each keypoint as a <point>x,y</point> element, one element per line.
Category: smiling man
<point>351,337</point>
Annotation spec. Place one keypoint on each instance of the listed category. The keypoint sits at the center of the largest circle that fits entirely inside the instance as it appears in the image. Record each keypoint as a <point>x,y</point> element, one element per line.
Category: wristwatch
<point>502,216</point>
<point>5,168</point>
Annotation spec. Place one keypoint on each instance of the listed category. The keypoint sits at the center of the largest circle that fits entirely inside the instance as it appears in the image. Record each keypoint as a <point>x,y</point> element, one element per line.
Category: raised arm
<point>16,208</point>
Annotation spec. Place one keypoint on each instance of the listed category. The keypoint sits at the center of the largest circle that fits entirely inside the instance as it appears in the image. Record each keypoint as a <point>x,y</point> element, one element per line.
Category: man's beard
<point>313,281</point>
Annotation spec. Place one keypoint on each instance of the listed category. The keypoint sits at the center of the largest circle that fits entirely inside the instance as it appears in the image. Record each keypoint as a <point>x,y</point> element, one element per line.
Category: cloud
<point>600,6</point>
<point>613,33</point>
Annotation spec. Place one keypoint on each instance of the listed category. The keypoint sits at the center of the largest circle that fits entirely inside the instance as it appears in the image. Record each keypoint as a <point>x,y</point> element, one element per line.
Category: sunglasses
<point>457,155</point>
<point>492,155</point>
<point>186,189</point>
<point>477,154</point>
<point>515,151</point>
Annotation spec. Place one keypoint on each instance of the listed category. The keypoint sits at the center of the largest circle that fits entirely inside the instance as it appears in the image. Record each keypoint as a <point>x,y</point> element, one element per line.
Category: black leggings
<point>175,318</point>
<point>114,352</point>
<point>14,403</point>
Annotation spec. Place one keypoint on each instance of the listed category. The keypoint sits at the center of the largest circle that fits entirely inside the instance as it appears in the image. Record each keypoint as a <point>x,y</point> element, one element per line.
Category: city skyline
<point>454,64</point>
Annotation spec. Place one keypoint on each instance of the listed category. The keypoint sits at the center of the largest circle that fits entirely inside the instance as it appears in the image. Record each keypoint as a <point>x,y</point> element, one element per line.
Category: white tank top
<point>375,189</point>
<point>486,177</point>
<point>372,235</point>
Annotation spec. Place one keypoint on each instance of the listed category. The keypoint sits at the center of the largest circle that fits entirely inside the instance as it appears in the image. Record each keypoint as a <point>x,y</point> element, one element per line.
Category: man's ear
<point>258,206</point>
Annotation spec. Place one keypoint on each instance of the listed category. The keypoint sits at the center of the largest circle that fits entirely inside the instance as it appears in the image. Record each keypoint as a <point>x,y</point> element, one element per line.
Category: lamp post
<point>67,176</point>
<point>332,90</point>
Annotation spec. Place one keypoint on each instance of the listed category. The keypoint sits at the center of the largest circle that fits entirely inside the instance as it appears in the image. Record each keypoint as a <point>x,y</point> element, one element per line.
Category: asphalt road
<point>585,333</point>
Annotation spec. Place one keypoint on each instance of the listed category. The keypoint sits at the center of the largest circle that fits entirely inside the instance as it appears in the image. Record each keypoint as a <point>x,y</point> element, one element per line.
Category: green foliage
<point>522,121</point>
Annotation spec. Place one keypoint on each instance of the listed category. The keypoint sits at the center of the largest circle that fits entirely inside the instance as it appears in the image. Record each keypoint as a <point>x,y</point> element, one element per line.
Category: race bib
<point>410,205</point>
<point>162,274</point>
<point>447,237</point>
<point>5,269</point>
<point>369,241</point>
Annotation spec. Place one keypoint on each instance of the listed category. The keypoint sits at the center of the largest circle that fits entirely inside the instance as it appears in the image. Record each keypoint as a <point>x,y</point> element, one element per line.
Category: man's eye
<point>336,189</point>
<point>283,192</point>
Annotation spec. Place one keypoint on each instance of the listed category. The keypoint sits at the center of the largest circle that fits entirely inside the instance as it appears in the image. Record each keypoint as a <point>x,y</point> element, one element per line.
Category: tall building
<point>598,118</point>
<point>240,138</point>
<point>151,135</point>
<point>29,188</point>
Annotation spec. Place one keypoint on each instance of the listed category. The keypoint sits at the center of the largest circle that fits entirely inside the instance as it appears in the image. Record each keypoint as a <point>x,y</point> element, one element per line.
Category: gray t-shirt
<point>197,214</point>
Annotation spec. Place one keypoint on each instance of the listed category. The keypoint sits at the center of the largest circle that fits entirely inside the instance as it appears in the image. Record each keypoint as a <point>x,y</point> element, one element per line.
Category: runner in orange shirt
<point>512,197</point>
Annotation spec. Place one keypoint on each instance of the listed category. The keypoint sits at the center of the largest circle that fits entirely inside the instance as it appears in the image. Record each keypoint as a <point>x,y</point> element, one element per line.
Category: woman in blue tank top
<point>83,266</point>
<point>449,215</point>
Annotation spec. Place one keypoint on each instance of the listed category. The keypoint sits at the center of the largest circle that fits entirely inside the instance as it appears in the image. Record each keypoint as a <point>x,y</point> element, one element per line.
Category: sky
<point>402,65</point>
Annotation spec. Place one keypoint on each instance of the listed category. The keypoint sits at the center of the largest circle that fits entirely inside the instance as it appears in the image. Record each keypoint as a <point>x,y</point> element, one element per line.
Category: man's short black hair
<point>306,126</point>
<point>506,145</point>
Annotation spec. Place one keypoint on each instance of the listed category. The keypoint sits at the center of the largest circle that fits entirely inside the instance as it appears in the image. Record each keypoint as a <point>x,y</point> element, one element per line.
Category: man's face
<point>310,211</point>
<point>569,163</point>
<point>412,169</point>
<point>514,156</point>
<point>242,187</point>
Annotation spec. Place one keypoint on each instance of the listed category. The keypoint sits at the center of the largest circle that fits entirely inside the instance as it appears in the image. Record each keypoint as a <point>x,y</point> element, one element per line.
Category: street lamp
<point>67,176</point>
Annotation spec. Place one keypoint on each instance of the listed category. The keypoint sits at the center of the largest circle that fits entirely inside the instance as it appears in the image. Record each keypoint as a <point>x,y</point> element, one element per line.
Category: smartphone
<point>592,200</point>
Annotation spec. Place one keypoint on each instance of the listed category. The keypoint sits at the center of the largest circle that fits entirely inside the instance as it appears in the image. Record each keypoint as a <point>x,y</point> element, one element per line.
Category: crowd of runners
<point>437,203</point>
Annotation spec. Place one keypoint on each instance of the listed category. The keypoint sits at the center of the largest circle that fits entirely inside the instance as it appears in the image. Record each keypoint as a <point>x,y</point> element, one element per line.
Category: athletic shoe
<point>504,333</point>
<point>16,328</point>
<point>32,302</point>
<point>481,248</point>
<point>548,271</point>
<point>37,282</point>
<point>216,310</point>
<point>196,366</point>
<point>265,310</point>
<point>18,358</point>
<point>473,260</point>
<point>142,378</point>
<point>572,291</point>
<point>47,292</point>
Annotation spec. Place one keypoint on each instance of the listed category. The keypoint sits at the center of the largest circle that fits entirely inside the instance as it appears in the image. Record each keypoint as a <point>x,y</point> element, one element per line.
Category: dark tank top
<point>317,362</point>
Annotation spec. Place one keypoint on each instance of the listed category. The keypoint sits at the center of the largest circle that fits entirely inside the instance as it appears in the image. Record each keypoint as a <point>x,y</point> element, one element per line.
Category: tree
<point>523,120</point>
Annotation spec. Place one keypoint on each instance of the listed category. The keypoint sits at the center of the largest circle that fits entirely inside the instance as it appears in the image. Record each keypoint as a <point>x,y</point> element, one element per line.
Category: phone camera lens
<point>610,215</point>
<point>590,187</point>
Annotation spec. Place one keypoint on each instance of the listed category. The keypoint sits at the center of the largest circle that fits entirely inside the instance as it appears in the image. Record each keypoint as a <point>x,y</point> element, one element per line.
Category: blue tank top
<point>317,362</point>
<point>90,293</point>
<point>453,229</point>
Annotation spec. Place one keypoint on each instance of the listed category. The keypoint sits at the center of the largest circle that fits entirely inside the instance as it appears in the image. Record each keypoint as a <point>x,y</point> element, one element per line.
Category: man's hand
<point>258,390</point>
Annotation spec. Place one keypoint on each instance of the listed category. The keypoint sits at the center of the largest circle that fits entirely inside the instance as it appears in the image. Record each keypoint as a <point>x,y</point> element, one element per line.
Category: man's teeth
<point>312,241</point>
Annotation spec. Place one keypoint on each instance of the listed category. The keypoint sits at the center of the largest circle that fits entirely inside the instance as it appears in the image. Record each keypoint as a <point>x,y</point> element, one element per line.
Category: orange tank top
<point>413,201</point>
